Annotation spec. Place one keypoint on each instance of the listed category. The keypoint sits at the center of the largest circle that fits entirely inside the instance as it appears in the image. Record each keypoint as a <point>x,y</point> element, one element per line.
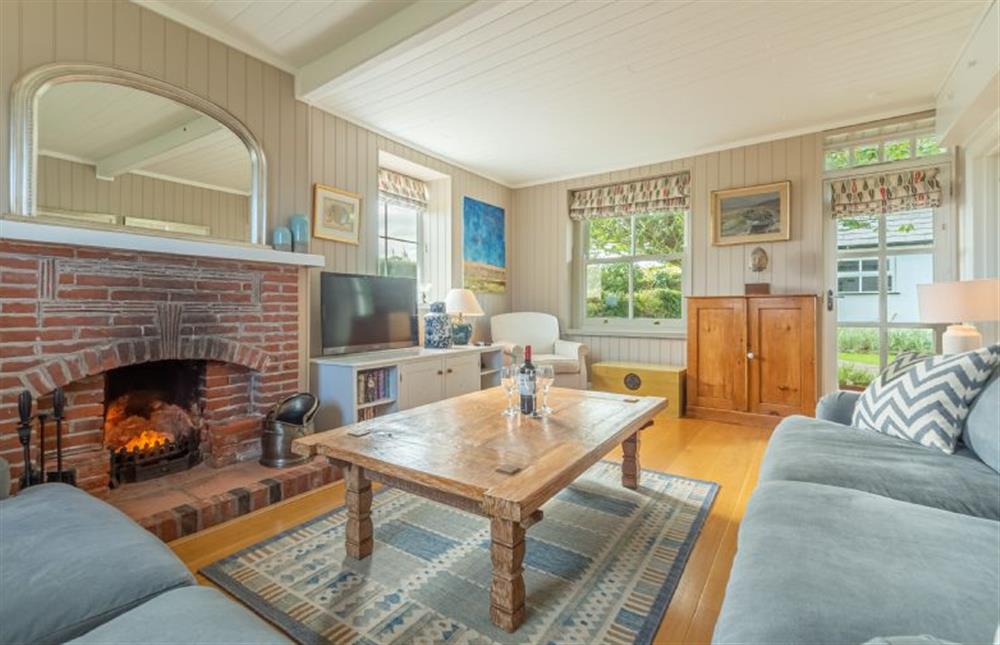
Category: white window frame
<point>880,140</point>
<point>666,326</point>
<point>861,273</point>
<point>382,240</point>
<point>945,252</point>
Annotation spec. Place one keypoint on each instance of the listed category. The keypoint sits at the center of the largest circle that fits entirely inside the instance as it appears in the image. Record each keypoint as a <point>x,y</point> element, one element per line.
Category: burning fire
<point>141,421</point>
<point>147,439</point>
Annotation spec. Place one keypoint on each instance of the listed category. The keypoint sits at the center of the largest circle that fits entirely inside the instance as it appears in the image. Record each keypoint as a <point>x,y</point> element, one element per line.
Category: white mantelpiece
<point>30,230</point>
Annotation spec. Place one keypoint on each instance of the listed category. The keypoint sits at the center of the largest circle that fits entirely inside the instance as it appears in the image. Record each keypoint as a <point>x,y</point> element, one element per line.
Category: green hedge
<point>865,341</point>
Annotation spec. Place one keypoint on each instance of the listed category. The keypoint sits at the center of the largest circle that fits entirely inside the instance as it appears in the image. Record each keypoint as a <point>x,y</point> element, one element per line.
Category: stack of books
<point>373,385</point>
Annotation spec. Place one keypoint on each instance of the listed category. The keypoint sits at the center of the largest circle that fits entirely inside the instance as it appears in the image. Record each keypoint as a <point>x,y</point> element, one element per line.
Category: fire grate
<point>142,464</point>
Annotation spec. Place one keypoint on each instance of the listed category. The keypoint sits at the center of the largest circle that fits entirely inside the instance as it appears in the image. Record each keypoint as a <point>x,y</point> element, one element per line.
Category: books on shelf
<point>373,385</point>
<point>367,413</point>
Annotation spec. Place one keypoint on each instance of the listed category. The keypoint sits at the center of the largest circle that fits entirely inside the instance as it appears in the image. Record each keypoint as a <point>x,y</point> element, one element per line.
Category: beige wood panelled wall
<point>302,144</point>
<point>70,186</point>
<point>345,155</point>
<point>543,238</point>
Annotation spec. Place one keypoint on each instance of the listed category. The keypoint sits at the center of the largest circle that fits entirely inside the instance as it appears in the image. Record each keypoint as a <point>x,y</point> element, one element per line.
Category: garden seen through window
<point>398,239</point>
<point>881,260</point>
<point>842,156</point>
<point>634,266</point>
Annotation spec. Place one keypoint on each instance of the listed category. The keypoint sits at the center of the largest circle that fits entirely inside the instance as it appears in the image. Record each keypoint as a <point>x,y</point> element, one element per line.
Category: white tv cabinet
<point>409,377</point>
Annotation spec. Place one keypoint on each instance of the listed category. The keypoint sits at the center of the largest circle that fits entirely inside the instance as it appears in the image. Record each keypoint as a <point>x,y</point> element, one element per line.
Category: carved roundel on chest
<point>632,381</point>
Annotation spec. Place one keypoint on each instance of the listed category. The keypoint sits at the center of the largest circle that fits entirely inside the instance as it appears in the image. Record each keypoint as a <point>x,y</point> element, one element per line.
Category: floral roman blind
<point>402,188</point>
<point>670,192</point>
<point>886,193</point>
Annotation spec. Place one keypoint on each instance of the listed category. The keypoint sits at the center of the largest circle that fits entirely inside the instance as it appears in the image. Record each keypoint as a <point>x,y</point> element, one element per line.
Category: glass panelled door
<point>880,260</point>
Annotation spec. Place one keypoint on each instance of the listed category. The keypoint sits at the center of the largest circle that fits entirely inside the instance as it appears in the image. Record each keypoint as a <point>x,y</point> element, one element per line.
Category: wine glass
<point>508,379</point>
<point>545,374</point>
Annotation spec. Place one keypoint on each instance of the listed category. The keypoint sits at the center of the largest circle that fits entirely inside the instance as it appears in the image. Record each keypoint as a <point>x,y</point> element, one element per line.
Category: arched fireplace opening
<point>153,419</point>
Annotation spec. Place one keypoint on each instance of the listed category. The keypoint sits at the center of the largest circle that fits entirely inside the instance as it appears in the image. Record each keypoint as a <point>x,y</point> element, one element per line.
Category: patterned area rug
<point>600,567</point>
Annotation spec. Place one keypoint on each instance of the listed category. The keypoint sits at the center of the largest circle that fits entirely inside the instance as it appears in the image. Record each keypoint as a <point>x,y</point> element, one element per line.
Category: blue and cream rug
<point>600,567</point>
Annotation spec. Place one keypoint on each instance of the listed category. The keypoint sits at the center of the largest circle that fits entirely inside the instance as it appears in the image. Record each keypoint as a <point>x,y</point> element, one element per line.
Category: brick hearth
<point>68,315</point>
<point>184,503</point>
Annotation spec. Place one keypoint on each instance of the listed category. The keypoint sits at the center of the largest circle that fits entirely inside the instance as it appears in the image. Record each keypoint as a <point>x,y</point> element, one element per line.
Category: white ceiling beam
<point>155,149</point>
<point>395,40</point>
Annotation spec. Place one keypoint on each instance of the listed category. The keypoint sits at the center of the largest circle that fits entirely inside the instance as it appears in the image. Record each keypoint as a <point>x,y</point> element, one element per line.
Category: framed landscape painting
<point>484,247</point>
<point>752,214</point>
<point>336,214</point>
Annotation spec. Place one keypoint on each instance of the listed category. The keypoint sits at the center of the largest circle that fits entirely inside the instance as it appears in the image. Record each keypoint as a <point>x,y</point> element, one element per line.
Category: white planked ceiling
<point>286,33</point>
<point>528,91</point>
<point>87,122</point>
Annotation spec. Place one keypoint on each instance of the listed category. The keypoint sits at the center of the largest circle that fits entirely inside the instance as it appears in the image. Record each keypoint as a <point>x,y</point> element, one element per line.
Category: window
<point>631,250</point>
<point>402,203</point>
<point>927,146</point>
<point>882,144</point>
<point>399,244</point>
<point>861,276</point>
<point>880,262</point>
<point>633,266</point>
<point>888,188</point>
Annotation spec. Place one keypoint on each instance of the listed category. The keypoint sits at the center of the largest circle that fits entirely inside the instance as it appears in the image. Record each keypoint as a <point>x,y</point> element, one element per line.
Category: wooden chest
<point>643,379</point>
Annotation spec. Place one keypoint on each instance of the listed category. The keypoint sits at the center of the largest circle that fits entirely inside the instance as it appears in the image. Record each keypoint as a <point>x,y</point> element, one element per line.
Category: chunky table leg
<point>359,505</point>
<point>630,462</point>
<point>507,590</point>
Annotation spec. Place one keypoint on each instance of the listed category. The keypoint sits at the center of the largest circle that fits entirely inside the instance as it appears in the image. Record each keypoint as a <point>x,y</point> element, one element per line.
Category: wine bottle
<point>526,383</point>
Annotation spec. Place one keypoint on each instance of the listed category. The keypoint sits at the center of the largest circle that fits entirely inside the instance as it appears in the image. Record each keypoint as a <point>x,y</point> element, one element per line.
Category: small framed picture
<point>752,214</point>
<point>336,214</point>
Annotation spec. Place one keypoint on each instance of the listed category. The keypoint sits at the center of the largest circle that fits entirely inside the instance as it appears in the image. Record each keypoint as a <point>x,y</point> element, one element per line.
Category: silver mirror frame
<point>24,133</point>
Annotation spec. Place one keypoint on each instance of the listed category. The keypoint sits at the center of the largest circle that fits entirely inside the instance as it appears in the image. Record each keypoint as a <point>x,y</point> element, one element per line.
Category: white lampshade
<point>958,302</point>
<point>462,301</point>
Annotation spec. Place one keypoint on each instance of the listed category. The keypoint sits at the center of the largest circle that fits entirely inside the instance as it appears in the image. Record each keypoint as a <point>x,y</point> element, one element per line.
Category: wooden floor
<point>727,454</point>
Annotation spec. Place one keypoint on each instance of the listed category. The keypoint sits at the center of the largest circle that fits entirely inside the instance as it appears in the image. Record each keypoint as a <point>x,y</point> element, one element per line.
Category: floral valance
<point>886,193</point>
<point>632,198</point>
<point>402,188</point>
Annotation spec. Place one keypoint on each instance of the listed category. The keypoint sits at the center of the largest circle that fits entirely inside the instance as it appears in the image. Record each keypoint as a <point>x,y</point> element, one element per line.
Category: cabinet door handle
<point>750,355</point>
<point>440,372</point>
<point>450,370</point>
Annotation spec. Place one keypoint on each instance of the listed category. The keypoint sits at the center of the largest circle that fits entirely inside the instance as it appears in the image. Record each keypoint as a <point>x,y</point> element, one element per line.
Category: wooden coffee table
<point>463,452</point>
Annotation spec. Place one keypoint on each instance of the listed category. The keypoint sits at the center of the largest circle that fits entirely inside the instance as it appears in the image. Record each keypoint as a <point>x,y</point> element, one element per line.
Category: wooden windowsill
<point>666,334</point>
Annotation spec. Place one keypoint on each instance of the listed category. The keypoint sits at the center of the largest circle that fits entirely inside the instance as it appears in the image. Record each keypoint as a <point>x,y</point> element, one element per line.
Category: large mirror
<point>118,149</point>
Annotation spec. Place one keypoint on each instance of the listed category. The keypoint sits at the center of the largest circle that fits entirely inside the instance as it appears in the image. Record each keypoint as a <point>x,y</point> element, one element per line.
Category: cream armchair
<point>541,331</point>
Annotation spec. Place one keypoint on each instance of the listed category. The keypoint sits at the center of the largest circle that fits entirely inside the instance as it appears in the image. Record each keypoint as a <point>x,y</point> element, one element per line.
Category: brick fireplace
<point>73,316</point>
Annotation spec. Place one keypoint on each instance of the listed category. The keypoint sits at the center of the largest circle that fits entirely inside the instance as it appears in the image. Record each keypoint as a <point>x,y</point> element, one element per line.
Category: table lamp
<point>957,304</point>
<point>463,303</point>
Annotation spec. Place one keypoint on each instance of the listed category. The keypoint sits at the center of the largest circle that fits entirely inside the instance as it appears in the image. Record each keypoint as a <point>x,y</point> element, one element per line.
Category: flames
<point>147,439</point>
<point>140,421</point>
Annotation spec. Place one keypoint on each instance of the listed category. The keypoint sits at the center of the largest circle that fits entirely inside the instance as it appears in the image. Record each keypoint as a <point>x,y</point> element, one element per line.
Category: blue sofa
<point>74,569</point>
<point>852,536</point>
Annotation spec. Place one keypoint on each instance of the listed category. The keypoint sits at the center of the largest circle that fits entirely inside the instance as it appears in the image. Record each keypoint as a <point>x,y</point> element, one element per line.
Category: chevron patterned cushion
<point>926,399</point>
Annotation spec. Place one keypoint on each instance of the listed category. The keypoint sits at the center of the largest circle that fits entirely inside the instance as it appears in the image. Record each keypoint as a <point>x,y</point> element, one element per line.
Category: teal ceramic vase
<point>299,224</point>
<point>281,239</point>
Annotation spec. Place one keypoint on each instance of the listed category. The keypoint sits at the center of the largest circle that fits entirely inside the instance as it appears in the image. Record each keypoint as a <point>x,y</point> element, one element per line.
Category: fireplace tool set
<point>31,476</point>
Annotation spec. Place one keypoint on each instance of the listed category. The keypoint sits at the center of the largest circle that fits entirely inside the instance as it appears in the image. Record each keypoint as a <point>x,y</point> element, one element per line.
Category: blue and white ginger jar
<point>437,327</point>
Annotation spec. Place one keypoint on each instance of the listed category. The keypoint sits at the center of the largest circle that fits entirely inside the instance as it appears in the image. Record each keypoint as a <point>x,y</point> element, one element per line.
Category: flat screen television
<point>361,313</point>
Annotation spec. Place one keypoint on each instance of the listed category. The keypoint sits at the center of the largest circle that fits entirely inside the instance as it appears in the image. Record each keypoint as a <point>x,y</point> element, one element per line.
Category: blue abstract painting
<point>484,247</point>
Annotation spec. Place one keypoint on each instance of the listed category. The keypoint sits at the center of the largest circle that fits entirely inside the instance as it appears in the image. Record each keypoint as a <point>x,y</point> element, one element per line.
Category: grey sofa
<point>74,569</point>
<point>852,535</point>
